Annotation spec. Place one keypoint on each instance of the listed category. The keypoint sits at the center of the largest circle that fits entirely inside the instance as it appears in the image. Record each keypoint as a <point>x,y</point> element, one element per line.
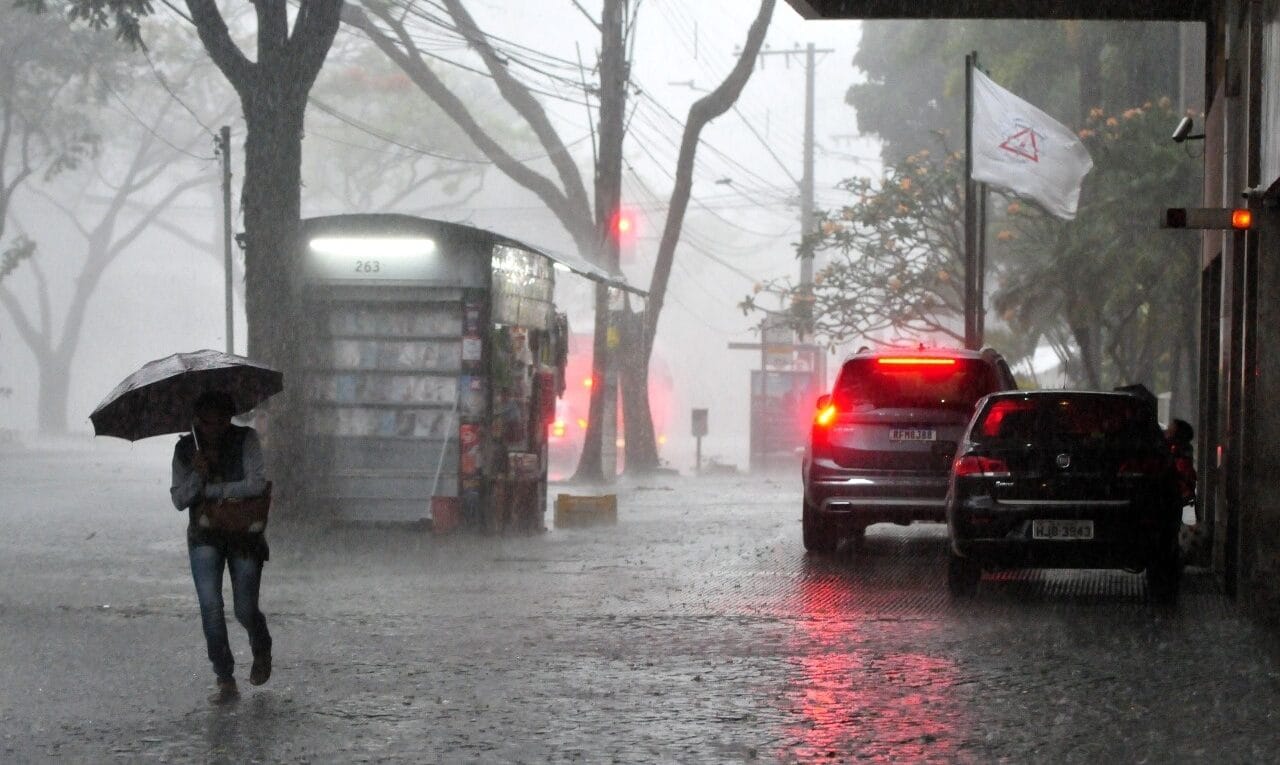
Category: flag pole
<point>974,222</point>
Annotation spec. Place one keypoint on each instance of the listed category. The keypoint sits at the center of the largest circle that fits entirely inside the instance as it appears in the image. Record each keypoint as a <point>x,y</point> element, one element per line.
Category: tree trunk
<point>272,206</point>
<point>54,373</point>
<point>705,109</point>
<point>641,445</point>
<point>591,462</point>
<point>608,187</point>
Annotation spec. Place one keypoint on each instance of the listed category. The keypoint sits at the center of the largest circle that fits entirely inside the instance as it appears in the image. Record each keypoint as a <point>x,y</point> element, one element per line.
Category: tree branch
<point>599,27</point>
<point>705,109</point>
<point>575,218</point>
<point>26,331</point>
<point>228,57</point>
<point>525,104</point>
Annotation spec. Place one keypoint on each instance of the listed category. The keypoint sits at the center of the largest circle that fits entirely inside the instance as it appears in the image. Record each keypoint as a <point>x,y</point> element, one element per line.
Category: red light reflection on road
<point>860,691</point>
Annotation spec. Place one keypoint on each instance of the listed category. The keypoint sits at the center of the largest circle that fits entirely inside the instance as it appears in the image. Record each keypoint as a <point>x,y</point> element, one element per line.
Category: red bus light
<point>1241,219</point>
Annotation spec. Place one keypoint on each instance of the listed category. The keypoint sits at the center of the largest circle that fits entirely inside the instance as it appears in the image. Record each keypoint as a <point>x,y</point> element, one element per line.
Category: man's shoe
<point>227,692</point>
<point>261,670</point>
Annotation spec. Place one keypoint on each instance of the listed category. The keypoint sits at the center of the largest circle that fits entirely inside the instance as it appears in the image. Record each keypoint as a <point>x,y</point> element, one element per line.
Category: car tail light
<point>1141,467</point>
<point>825,416</point>
<point>982,467</point>
<point>915,361</point>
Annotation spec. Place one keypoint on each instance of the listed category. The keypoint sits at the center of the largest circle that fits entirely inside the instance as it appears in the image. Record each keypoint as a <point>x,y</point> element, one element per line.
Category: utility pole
<point>807,227</point>
<point>614,73</point>
<point>223,141</point>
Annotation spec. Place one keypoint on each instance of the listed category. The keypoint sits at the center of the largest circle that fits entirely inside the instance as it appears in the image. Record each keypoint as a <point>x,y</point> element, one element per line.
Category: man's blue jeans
<point>207,563</point>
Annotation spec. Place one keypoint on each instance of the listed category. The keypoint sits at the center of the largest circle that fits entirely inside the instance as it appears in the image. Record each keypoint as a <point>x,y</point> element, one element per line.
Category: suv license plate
<point>1046,529</point>
<point>913,434</point>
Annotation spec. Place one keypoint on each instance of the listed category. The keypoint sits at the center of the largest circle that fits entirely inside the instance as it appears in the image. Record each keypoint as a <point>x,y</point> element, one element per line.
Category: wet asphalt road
<point>695,630</point>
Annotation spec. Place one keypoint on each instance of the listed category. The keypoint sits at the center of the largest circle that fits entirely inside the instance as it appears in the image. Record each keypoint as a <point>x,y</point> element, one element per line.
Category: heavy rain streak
<point>638,381</point>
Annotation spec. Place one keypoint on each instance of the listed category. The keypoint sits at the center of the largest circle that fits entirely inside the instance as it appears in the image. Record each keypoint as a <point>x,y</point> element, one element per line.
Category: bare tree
<point>44,76</point>
<point>147,179</point>
<point>273,91</point>
<point>590,225</point>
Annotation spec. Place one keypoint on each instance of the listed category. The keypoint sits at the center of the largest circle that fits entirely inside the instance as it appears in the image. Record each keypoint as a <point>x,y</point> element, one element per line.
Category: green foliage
<point>895,256</point>
<point>53,78</point>
<point>1124,288</point>
<point>1113,295</point>
<point>914,71</point>
<point>18,250</point>
<point>101,14</point>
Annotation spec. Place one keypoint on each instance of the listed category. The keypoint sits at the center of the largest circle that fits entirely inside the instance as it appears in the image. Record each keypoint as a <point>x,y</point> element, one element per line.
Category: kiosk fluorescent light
<point>374,247</point>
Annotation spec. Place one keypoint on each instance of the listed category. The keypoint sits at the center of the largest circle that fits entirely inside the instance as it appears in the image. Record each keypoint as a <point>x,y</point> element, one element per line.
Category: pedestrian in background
<point>1179,435</point>
<point>219,460</point>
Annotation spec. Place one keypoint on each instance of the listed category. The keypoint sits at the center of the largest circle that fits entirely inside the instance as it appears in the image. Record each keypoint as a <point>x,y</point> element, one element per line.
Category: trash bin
<point>446,514</point>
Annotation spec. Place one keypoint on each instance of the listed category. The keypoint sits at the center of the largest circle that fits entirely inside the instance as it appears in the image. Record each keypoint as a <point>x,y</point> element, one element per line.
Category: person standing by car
<point>219,460</point>
<point>1180,434</point>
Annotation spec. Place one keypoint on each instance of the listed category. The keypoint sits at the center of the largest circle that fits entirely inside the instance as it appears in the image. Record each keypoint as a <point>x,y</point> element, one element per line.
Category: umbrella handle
<point>194,436</point>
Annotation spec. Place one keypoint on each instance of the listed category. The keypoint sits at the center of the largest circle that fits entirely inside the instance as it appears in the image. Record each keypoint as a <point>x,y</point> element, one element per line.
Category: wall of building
<point>1260,526</point>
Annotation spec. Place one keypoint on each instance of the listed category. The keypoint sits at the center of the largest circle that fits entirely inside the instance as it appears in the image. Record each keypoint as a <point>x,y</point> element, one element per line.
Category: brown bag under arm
<point>241,514</point>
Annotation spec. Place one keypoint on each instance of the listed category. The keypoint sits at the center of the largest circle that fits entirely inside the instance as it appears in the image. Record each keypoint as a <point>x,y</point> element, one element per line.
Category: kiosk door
<point>383,403</point>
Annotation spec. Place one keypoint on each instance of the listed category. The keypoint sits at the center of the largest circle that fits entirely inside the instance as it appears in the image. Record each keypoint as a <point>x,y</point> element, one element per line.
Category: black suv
<point>883,440</point>
<point>1065,479</point>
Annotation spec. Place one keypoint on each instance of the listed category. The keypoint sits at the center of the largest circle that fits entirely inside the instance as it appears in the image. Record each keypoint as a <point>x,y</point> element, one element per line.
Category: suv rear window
<point>907,383</point>
<point>1114,418</point>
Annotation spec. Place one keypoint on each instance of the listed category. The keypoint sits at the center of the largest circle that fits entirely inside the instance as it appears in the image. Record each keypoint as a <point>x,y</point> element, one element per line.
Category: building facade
<point>1239,376</point>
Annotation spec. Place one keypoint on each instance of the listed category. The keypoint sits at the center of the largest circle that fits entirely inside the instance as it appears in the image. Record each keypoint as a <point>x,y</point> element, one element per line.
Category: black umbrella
<point>157,398</point>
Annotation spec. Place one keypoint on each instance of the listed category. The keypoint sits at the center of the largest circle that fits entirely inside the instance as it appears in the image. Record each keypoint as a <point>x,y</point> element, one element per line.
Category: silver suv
<point>883,439</point>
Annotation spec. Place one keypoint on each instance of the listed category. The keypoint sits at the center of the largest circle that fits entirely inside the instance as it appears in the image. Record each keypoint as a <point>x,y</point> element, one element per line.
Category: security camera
<point>1180,133</point>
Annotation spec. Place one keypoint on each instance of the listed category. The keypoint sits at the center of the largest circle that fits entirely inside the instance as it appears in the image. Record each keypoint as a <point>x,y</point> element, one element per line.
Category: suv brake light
<point>915,361</point>
<point>982,467</point>
<point>825,416</point>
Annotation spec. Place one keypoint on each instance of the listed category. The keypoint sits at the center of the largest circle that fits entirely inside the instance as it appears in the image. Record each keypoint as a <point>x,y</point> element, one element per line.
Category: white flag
<point>1018,147</point>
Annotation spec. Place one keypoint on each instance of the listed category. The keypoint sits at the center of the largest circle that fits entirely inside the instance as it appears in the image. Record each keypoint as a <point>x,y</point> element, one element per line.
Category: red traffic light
<point>623,226</point>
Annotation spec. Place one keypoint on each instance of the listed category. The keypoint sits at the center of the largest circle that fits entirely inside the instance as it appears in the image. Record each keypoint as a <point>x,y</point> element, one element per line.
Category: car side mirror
<point>823,401</point>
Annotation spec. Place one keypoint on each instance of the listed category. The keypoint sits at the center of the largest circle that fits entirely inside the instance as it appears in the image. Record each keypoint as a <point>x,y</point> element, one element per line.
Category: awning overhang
<point>1101,10</point>
<point>581,267</point>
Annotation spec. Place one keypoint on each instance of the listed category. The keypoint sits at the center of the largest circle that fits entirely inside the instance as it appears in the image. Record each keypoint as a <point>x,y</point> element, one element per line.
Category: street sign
<point>699,423</point>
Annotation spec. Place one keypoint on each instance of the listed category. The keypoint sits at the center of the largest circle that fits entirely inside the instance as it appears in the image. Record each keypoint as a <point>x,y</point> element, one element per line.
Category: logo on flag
<point>1023,144</point>
<point>1020,148</point>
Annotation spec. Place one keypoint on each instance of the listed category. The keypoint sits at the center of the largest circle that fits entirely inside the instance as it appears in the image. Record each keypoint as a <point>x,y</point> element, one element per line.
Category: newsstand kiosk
<point>433,359</point>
